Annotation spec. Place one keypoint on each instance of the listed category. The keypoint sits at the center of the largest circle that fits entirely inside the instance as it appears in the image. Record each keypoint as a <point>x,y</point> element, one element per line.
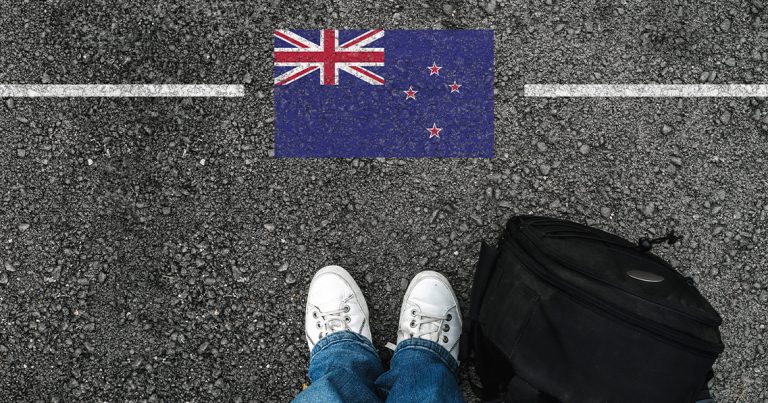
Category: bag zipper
<point>709,349</point>
<point>622,247</point>
<point>575,230</point>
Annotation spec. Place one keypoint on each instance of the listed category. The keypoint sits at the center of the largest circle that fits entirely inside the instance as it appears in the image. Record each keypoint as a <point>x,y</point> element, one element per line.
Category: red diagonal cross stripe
<point>289,39</point>
<point>329,56</point>
<point>361,38</point>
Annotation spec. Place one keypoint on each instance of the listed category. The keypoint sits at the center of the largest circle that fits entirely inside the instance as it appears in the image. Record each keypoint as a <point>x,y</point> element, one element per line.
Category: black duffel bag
<point>564,312</point>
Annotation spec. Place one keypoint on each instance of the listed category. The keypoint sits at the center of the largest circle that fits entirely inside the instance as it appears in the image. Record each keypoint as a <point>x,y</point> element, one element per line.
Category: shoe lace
<point>333,320</point>
<point>427,324</point>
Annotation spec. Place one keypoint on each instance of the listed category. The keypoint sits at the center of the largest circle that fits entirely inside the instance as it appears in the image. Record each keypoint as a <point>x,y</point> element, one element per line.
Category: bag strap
<point>485,268</point>
<point>520,391</point>
<point>704,396</point>
<point>482,277</point>
<point>517,390</point>
<point>471,334</point>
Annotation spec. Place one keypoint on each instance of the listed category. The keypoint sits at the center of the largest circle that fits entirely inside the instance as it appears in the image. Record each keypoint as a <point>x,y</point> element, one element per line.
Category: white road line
<point>646,90</point>
<point>119,90</point>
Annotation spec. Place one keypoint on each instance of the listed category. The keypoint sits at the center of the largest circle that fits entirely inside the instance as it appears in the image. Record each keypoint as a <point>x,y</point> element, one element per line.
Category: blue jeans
<point>345,367</point>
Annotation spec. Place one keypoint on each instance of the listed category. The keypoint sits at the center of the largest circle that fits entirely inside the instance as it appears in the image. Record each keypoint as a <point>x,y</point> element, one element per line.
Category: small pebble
<point>90,161</point>
<point>476,218</point>
<point>666,129</point>
<point>3,278</point>
<point>166,210</point>
<point>46,78</point>
<point>23,227</point>
<point>269,227</point>
<point>9,103</point>
<point>202,161</point>
<point>541,147</point>
<point>9,267</point>
<point>369,277</point>
<point>283,267</point>
<point>490,7</point>
<point>605,212</point>
<point>584,149</point>
<point>648,210</point>
<point>202,347</point>
<point>247,78</point>
<point>544,169</point>
<point>21,152</point>
<point>290,279</point>
<point>55,275</point>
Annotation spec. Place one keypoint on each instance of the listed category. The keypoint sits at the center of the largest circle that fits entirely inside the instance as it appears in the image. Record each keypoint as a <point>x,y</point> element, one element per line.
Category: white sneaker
<point>334,303</point>
<point>431,311</point>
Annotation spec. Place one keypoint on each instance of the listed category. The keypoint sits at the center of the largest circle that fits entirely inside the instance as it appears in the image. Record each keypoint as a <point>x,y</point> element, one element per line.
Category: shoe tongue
<point>333,301</point>
<point>434,332</point>
<point>335,324</point>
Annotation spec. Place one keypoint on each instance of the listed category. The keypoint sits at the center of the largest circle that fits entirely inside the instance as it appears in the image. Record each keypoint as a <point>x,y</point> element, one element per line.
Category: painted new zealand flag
<point>405,93</point>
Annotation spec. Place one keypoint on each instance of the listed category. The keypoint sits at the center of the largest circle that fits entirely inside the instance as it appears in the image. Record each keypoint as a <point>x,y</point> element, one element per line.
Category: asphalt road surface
<point>153,249</point>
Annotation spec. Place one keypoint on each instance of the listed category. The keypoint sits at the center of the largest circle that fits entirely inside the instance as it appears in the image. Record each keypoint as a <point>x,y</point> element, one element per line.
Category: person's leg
<point>343,364</point>
<point>342,368</point>
<point>424,367</point>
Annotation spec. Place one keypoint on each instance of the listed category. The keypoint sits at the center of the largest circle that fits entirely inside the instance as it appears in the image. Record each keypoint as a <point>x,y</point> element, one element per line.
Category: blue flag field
<point>374,93</point>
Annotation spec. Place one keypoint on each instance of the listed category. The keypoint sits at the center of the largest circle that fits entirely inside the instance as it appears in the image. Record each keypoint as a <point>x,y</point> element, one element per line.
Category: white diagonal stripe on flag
<point>295,74</point>
<point>367,38</point>
<point>363,74</point>
<point>290,37</point>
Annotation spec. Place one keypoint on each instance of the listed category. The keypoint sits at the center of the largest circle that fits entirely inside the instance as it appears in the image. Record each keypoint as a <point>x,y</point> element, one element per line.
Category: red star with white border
<point>455,87</point>
<point>410,93</point>
<point>434,131</point>
<point>434,69</point>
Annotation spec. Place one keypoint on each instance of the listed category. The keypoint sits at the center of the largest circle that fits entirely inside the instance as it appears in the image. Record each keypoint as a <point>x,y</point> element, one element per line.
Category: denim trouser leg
<point>421,371</point>
<point>343,367</point>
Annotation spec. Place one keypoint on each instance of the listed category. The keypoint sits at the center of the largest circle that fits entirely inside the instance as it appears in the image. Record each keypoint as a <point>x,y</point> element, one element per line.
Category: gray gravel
<point>153,249</point>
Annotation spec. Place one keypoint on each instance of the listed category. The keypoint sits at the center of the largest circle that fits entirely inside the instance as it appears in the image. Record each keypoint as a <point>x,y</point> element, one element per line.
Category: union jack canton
<point>329,57</point>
